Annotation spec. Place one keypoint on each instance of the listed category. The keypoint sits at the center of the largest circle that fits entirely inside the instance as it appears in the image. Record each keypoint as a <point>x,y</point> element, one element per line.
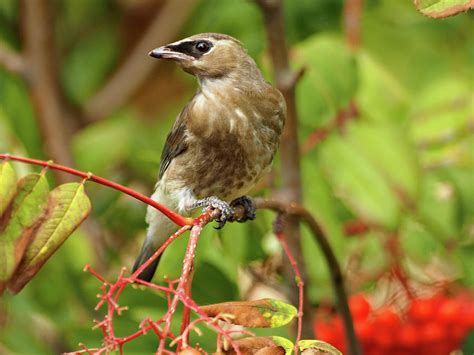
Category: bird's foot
<point>213,202</point>
<point>249,207</point>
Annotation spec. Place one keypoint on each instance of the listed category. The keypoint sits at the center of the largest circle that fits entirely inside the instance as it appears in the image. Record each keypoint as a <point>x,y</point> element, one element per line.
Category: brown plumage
<point>223,141</point>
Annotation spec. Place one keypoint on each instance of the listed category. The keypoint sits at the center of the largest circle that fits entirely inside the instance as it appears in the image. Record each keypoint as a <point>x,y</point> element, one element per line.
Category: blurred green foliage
<point>405,165</point>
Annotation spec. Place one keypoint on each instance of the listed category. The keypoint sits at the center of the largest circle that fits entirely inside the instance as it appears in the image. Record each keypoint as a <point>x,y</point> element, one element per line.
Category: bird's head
<point>206,55</point>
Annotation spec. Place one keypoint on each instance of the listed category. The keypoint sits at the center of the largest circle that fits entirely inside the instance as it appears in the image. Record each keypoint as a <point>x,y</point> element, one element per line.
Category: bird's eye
<point>203,46</point>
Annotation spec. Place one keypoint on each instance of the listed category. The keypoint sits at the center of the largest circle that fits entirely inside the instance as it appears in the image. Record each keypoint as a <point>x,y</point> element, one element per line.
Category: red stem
<point>111,292</point>
<point>184,279</point>
<point>299,282</point>
<point>185,320</point>
<point>162,248</point>
<point>176,218</point>
<point>393,246</point>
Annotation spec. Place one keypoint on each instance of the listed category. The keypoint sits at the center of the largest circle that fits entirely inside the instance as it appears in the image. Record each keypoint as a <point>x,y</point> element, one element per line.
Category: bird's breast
<point>231,144</point>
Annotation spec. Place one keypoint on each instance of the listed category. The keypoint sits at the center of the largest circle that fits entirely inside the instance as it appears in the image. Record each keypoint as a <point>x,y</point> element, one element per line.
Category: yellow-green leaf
<point>284,343</point>
<point>319,346</point>
<point>27,206</point>
<point>443,8</point>
<point>17,227</point>
<point>7,185</point>
<point>265,313</point>
<point>68,206</point>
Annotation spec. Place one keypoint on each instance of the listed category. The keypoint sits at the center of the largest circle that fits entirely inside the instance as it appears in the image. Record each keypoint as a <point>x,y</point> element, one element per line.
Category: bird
<point>221,144</point>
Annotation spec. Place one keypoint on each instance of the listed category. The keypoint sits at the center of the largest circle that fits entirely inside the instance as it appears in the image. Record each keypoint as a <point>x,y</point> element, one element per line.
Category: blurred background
<point>386,126</point>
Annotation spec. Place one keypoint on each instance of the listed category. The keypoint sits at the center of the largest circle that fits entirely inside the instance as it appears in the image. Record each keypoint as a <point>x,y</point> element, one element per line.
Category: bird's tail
<point>160,228</point>
<point>145,253</point>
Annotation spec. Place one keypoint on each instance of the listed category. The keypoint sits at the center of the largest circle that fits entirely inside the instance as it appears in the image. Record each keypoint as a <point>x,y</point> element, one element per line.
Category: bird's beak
<point>168,53</point>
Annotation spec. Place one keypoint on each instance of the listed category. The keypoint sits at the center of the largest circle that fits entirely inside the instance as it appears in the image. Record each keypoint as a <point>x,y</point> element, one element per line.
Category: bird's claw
<point>213,202</point>
<point>249,207</point>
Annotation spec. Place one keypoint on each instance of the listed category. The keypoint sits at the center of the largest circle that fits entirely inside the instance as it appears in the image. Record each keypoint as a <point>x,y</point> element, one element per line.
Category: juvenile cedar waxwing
<point>223,141</point>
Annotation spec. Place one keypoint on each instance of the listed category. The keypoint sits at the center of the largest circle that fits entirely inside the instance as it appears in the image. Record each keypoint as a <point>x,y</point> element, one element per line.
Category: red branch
<point>110,292</point>
<point>158,252</point>
<point>161,327</point>
<point>278,229</point>
<point>184,280</point>
<point>176,218</point>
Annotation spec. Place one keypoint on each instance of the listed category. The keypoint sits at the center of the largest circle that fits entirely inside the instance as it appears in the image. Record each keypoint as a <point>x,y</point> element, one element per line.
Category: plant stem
<point>337,279</point>
<point>176,218</point>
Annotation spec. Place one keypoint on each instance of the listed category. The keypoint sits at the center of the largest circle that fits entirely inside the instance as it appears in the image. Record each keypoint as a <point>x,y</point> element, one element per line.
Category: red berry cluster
<point>435,325</point>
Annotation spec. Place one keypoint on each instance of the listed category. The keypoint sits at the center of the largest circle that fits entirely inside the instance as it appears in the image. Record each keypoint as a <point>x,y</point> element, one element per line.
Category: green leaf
<point>18,112</point>
<point>75,16</point>
<point>27,206</point>
<point>330,80</point>
<point>203,285</point>
<point>421,50</point>
<point>359,183</point>
<point>236,18</point>
<point>437,209</point>
<point>235,242</point>
<point>99,51</point>
<point>417,243</point>
<point>7,185</point>
<point>265,313</point>
<point>464,257</point>
<point>389,149</point>
<point>24,215</point>
<point>68,206</point>
<point>279,313</point>
<point>443,107</point>
<point>443,8</point>
<point>380,96</point>
<point>103,145</point>
<point>441,122</point>
<point>318,345</point>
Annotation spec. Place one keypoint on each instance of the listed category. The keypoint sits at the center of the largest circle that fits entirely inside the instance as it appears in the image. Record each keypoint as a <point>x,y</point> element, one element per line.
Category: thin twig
<point>303,214</point>
<point>185,319</point>
<point>137,68</point>
<point>278,229</point>
<point>185,278</point>
<point>176,218</point>
<point>157,253</point>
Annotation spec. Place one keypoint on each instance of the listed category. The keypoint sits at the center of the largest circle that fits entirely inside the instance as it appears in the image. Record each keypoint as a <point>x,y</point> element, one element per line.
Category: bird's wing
<point>175,142</point>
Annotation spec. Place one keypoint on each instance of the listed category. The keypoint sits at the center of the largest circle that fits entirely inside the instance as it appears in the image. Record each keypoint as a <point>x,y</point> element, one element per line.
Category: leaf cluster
<point>34,223</point>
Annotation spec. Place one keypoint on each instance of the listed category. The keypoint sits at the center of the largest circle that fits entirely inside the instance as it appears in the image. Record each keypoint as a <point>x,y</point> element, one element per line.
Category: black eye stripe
<point>189,48</point>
